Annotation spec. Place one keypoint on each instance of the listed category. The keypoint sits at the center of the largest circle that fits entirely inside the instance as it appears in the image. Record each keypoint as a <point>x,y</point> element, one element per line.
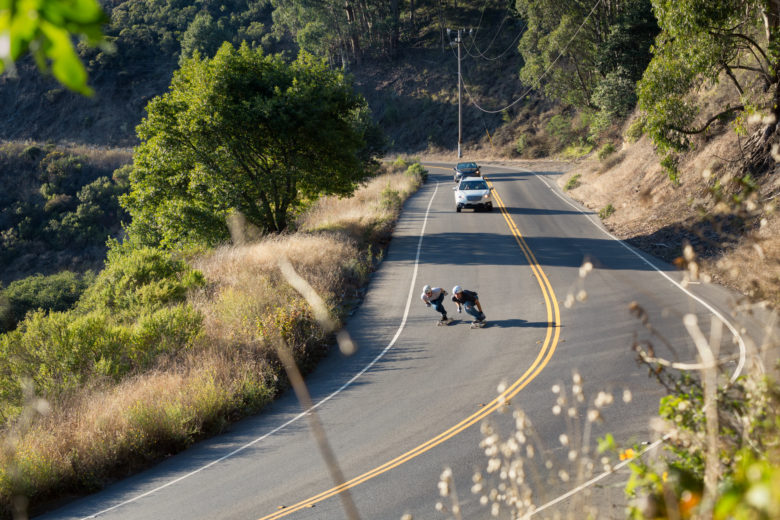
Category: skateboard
<point>442,323</point>
<point>478,324</point>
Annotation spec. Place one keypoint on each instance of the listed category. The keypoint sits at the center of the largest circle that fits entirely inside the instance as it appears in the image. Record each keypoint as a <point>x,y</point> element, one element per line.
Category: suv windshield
<point>473,185</point>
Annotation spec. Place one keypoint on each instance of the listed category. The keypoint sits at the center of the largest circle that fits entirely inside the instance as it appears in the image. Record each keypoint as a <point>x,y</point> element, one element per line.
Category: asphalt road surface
<point>413,398</point>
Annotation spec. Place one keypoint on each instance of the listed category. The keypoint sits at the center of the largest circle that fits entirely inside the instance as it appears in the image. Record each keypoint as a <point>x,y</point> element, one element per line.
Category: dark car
<point>465,169</point>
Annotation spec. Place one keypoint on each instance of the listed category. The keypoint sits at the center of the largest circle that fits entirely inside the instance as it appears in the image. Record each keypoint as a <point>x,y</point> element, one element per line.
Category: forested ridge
<point>161,156</point>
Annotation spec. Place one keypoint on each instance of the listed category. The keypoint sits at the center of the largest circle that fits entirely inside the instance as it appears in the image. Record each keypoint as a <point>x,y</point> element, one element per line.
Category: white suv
<point>473,192</point>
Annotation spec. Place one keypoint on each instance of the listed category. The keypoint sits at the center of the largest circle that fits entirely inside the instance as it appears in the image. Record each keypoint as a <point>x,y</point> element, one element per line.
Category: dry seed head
<point>495,509</point>
<point>501,387</point>
<point>556,389</point>
<point>688,252</point>
<point>585,268</point>
<point>569,301</point>
<point>582,295</point>
<point>627,395</point>
<point>594,415</point>
<point>576,377</point>
<point>440,507</point>
<point>564,439</point>
<point>563,475</point>
<point>572,412</point>
<point>407,516</point>
<point>556,410</point>
<point>572,455</point>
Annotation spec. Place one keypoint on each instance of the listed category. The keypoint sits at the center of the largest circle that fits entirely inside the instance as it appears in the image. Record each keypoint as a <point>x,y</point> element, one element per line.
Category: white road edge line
<point>734,332</point>
<point>742,350</point>
<point>323,401</point>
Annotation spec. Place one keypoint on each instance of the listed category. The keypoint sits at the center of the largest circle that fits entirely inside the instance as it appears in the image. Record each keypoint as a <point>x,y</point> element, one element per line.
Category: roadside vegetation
<point>165,348</point>
<point>143,304</point>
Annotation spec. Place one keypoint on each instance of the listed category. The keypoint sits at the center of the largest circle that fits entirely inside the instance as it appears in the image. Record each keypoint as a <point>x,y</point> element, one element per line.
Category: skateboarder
<point>434,296</point>
<point>468,300</point>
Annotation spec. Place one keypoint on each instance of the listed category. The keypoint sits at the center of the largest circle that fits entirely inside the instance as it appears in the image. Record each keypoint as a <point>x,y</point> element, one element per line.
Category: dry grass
<point>367,208</point>
<point>659,217</point>
<point>108,430</point>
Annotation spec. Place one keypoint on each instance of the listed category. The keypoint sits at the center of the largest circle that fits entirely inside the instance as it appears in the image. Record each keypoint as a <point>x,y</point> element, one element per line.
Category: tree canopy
<point>249,133</point>
<point>700,41</point>
<point>580,52</point>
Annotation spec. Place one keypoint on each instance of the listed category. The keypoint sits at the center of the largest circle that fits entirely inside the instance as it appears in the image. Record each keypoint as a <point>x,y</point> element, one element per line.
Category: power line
<point>539,79</point>
<point>481,54</point>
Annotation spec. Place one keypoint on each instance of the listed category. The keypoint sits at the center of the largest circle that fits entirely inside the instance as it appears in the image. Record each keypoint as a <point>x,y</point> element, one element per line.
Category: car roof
<point>464,179</point>
<point>467,164</point>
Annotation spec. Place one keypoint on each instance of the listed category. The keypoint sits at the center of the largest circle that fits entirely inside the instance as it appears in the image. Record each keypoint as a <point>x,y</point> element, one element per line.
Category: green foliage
<point>573,182</point>
<point>615,95</point>
<point>635,130</point>
<point>58,292</point>
<point>670,164</point>
<point>700,40</point>
<point>605,151</point>
<point>520,144</point>
<point>559,126</point>
<point>203,36</point>
<point>130,316</point>
<point>400,164</point>
<point>417,170</point>
<point>338,31</point>
<point>570,48</point>
<point>747,452</point>
<point>606,211</point>
<point>391,199</point>
<point>55,199</point>
<point>45,28</point>
<point>248,133</point>
<point>139,280</point>
<point>575,151</point>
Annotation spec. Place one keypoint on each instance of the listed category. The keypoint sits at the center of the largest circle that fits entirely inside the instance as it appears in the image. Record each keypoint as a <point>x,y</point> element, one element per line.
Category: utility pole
<point>460,106</point>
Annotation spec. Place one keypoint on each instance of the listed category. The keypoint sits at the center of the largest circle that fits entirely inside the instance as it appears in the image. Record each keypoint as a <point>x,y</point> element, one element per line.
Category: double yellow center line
<point>542,358</point>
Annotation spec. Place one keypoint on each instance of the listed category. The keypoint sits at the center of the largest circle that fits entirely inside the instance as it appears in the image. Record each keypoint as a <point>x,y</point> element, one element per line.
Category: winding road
<point>411,400</point>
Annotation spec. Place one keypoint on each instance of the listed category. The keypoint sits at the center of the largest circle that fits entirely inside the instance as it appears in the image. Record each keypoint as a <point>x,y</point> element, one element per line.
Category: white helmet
<point>456,289</point>
<point>426,289</point>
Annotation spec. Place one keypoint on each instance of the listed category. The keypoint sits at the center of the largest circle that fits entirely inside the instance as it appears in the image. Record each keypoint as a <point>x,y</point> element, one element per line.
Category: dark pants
<point>471,309</point>
<point>437,304</point>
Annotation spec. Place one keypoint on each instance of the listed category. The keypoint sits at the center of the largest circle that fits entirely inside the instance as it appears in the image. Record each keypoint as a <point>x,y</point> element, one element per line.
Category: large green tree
<point>702,41</point>
<point>249,133</point>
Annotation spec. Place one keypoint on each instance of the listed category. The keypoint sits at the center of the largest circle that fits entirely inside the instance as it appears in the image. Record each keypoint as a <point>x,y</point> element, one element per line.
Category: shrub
<point>143,278</point>
<point>391,199</point>
<point>605,151</point>
<point>559,127</point>
<point>606,211</point>
<point>573,182</point>
<point>635,130</point>
<point>58,292</point>
<point>400,164</point>
<point>417,170</point>
<point>520,144</point>
<point>670,164</point>
<point>615,95</point>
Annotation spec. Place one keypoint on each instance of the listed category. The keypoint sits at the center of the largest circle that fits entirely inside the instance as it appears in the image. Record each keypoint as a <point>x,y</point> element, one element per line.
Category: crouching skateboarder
<point>435,296</point>
<point>469,300</point>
